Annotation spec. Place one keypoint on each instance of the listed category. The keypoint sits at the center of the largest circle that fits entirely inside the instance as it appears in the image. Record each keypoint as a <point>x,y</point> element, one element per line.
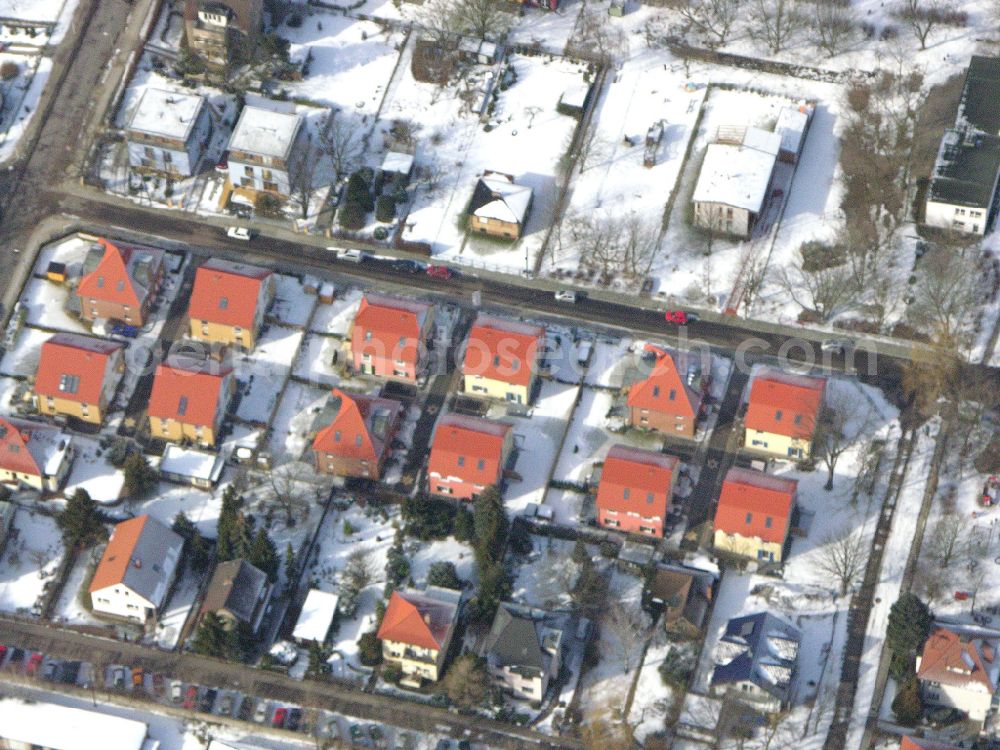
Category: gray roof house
<point>523,649</point>
<point>755,660</point>
<point>238,593</point>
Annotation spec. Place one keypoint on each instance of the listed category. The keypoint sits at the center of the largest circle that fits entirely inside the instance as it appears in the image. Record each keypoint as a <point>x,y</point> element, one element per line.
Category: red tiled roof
<point>953,659</point>
<point>394,326</point>
<point>72,367</point>
<point>912,743</point>
<point>784,404</point>
<point>640,472</point>
<point>416,620</point>
<point>502,350</point>
<point>187,395</point>
<point>761,496</point>
<point>353,420</point>
<point>664,390</point>
<point>460,443</point>
<point>111,281</point>
<point>118,554</point>
<point>227,293</point>
<point>14,453</point>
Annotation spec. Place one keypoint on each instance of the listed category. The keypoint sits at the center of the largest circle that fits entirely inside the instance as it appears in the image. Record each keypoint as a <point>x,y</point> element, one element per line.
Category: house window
<point>336,436</point>
<point>149,152</point>
<point>461,460</point>
<point>223,303</point>
<point>182,406</point>
<point>272,186</point>
<point>69,383</point>
<point>357,439</point>
<point>749,518</point>
<point>798,419</point>
<point>481,464</point>
<point>673,394</point>
<point>167,157</point>
<point>496,360</point>
<point>402,340</point>
<point>626,492</point>
<point>368,335</point>
<point>248,171</point>
<point>767,522</point>
<point>777,415</point>
<point>443,490</point>
<point>649,498</point>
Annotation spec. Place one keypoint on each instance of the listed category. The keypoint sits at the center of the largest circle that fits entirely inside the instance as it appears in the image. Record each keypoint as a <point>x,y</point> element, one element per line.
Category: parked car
<point>278,721</point>
<point>377,734</point>
<point>331,729</point>
<point>176,691</point>
<point>138,676</point>
<point>119,676</point>
<point>294,719</point>
<point>34,662</point>
<point>836,346</point>
<point>347,254</point>
<point>158,683</point>
<point>222,165</point>
<point>405,741</point>
<point>239,233</point>
<point>3,653</point>
<point>358,736</point>
<point>564,295</point>
<point>680,317</point>
<point>440,272</point>
<point>190,697</point>
<point>226,705</point>
<point>408,266</point>
<point>16,657</point>
<point>121,329</point>
<point>443,745</point>
<point>208,700</point>
<point>260,714</point>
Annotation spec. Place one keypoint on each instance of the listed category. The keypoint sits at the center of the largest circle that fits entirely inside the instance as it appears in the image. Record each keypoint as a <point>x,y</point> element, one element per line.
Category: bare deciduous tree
<point>630,627</point>
<point>842,557</point>
<point>949,540</point>
<point>824,292</point>
<point>486,19</point>
<point>947,293</point>
<point>640,243</point>
<point>713,19</point>
<point>359,571</point>
<point>302,175</point>
<point>342,144</point>
<point>775,23</point>
<point>832,27</point>
<point>293,485</point>
<point>921,16</point>
<point>846,417</point>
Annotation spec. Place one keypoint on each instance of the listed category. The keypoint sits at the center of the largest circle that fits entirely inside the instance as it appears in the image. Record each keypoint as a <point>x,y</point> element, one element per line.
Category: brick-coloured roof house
<point>782,414</point>
<point>189,400</point>
<point>468,454</point>
<point>136,570</point>
<point>416,630</point>
<point>670,398</point>
<point>119,282</point>
<point>501,359</point>
<point>34,454</point>
<point>919,743</point>
<point>959,670</point>
<point>77,376</point>
<point>354,435</point>
<point>388,337</point>
<point>228,302</point>
<point>635,490</point>
<point>754,514</point>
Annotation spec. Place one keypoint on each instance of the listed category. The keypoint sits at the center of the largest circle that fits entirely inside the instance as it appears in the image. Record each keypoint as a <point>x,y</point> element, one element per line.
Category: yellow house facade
<point>751,547</point>
<point>219,333</point>
<point>77,377</point>
<point>498,389</point>
<point>90,413</point>
<point>779,446</point>
<point>188,405</point>
<point>178,432</point>
<point>413,660</point>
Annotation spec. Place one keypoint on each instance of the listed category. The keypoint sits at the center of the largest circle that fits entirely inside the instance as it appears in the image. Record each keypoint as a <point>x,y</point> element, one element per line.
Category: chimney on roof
<point>137,562</point>
<point>427,617</point>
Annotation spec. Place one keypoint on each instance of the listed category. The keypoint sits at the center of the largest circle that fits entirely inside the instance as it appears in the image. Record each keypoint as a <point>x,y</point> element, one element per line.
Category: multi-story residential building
<point>77,376</point>
<point>468,454</point>
<point>354,435</point>
<point>168,132</point>
<point>189,400</point>
<point>499,206</point>
<point>959,670</point>
<point>501,359</point>
<point>635,490</point>
<point>670,398</point>
<point>238,593</point>
<point>523,651</point>
<point>229,301</point>
<point>220,32</point>
<point>416,631</point>
<point>119,282</point>
<point>783,414</point>
<point>754,514</point>
<point>388,338</point>
<point>34,725</point>
<point>34,454</point>
<point>261,149</point>
<point>756,660</point>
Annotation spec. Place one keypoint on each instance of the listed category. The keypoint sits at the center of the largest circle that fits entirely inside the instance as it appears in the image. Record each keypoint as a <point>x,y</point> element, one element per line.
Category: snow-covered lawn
<point>45,302</point>
<point>92,472</point>
<point>200,506</point>
<point>425,554</point>
<point>315,360</point>
<point>653,700</point>
<point>262,373</point>
<point>292,306</point>
<point>335,319</point>
<point>292,422</point>
<point>69,608</point>
<point>29,561</point>
<point>23,358</point>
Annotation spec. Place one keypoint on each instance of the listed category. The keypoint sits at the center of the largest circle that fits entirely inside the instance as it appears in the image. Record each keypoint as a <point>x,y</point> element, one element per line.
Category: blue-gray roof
<point>761,649</point>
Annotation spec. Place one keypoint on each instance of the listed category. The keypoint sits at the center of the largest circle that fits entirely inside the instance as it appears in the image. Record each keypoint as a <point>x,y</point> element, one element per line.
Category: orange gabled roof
<point>953,659</point>
<point>227,293</point>
<point>111,281</point>
<point>785,404</point>
<point>389,327</point>
<point>664,390</point>
<point>187,395</point>
<point>353,424</point>
<point>118,554</point>
<point>914,743</point>
<point>502,350</point>
<point>640,472</point>
<point>72,367</point>
<point>747,493</point>
<point>14,453</point>
<point>461,442</point>
<point>416,620</point>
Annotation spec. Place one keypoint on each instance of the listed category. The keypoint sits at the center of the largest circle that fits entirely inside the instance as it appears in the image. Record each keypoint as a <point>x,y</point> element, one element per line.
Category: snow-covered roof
<point>575,95</point>
<point>62,728</point>
<point>397,163</point>
<point>762,140</point>
<point>166,113</point>
<point>791,127</point>
<point>316,617</point>
<point>510,201</point>
<point>735,176</point>
<point>186,462</point>
<point>265,132</point>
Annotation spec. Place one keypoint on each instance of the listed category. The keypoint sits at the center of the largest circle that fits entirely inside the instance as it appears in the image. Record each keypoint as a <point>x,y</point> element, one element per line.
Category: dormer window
<point>656,391</point>
<point>749,518</point>
<point>777,415</point>
<point>223,303</point>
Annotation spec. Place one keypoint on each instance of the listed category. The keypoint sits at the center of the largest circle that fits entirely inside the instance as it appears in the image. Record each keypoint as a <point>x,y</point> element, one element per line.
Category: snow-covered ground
<point>29,560</point>
<point>262,373</point>
<point>92,472</point>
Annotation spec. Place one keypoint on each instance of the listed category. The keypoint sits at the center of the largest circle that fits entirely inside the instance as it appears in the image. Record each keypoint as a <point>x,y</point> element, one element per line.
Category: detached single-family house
<point>755,661</point>
<point>355,434</point>
<point>959,670</point>
<point>136,571</point>
<point>77,376</point>
<point>635,490</point>
<point>501,359</point>
<point>168,132</point>
<point>189,400</point>
<point>389,337</point>
<point>316,618</point>
<point>34,454</point>
<point>260,152</point>
<point>119,282</point>
<point>216,29</point>
<point>961,196</point>
<point>499,206</point>
<point>229,301</point>
<point>683,594</point>
<point>468,454</point>
<point>416,631</point>
<point>783,413</point>
<point>919,743</point>
<point>238,593</point>
<point>670,398</point>
<point>754,515</point>
<point>523,651</point>
<point>735,180</point>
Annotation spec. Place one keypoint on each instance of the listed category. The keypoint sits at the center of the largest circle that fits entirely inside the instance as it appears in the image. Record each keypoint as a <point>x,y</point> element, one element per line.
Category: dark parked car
<point>409,266</point>
<point>208,700</point>
<point>121,329</point>
<point>294,719</point>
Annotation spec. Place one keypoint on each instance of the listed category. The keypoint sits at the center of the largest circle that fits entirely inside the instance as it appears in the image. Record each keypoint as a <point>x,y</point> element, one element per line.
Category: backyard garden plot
<point>22,359</point>
<point>263,373</point>
<point>349,62</point>
<point>29,561</point>
<point>653,701</point>
<point>93,473</point>
<point>290,429</point>
<point>200,506</point>
<point>292,306</point>
<point>609,362</point>
<point>545,577</point>
<point>335,319</point>
<point>45,302</point>
<point>424,554</point>
<point>525,137</point>
<point>315,360</point>
<point>70,608</point>
<point>21,96</point>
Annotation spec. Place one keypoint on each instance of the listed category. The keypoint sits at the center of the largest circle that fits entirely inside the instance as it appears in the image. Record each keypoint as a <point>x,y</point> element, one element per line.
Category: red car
<point>3,653</point>
<point>279,718</point>
<point>190,697</point>
<point>439,272</point>
<point>34,663</point>
<point>680,317</point>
